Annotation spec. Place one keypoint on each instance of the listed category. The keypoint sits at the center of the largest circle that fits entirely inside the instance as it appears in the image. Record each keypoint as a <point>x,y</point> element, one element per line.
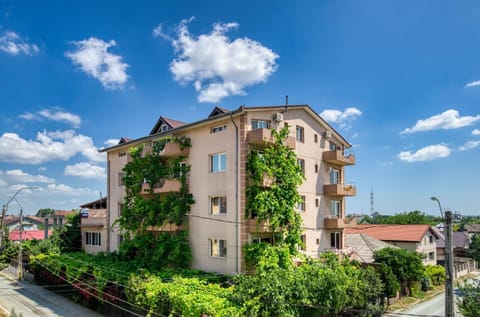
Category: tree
<point>406,265</point>
<point>405,218</point>
<point>44,212</point>
<point>469,305</point>
<point>474,247</point>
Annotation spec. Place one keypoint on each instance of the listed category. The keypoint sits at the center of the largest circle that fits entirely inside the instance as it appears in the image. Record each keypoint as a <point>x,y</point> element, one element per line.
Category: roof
<point>28,235</point>
<point>219,114</point>
<point>217,111</point>
<point>459,240</point>
<point>405,233</point>
<point>173,124</point>
<point>472,228</point>
<point>364,246</point>
<point>14,219</point>
<point>99,203</point>
<point>63,213</point>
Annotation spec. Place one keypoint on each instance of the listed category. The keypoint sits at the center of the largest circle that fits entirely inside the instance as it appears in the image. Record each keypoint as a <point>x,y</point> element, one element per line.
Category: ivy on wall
<point>274,176</point>
<point>142,210</point>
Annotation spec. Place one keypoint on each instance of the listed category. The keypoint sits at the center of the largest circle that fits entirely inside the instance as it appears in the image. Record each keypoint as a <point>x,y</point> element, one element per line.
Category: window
<point>301,163</point>
<point>333,146</point>
<point>317,202</point>
<point>121,238</point>
<point>120,154</point>
<point>218,248</point>
<point>431,256</point>
<point>335,208</point>
<point>218,162</point>
<point>218,205</point>
<point>177,174</point>
<point>317,241</point>
<point>164,128</point>
<point>336,240</point>
<point>300,134</point>
<point>303,247</point>
<point>316,168</point>
<point>315,138</point>
<point>260,124</point>
<point>334,176</point>
<point>262,240</point>
<point>121,179</point>
<point>93,238</point>
<point>218,129</point>
<point>431,239</point>
<point>120,208</point>
<point>301,203</point>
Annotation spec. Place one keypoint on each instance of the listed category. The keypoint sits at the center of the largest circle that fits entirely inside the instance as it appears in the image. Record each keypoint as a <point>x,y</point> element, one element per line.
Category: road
<point>32,301</point>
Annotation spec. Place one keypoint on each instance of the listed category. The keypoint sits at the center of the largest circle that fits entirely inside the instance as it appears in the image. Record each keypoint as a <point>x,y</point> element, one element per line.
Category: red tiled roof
<point>173,123</point>
<point>28,235</point>
<point>63,213</point>
<point>407,233</point>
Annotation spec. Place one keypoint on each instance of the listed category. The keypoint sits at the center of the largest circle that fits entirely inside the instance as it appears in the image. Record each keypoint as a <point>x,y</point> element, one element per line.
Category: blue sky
<point>400,80</point>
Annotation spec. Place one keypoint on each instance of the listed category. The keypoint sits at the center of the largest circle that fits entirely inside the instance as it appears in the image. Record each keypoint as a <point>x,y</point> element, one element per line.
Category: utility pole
<point>20,253</point>
<point>449,299</point>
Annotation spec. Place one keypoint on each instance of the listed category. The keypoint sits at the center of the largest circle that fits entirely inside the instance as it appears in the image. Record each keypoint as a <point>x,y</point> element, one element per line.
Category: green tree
<point>68,237</point>
<point>474,247</point>
<point>406,265</point>
<point>44,212</point>
<point>275,204</point>
<point>469,305</point>
<point>405,218</point>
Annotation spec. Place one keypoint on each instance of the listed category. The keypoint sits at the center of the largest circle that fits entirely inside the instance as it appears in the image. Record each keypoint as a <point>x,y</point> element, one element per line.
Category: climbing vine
<point>274,176</point>
<point>142,209</point>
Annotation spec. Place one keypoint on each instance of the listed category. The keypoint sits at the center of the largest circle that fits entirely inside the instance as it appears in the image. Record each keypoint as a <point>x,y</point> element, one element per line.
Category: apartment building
<point>220,143</point>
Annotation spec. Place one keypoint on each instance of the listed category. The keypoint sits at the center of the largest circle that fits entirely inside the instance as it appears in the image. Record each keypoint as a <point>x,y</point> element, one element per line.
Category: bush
<point>435,273</point>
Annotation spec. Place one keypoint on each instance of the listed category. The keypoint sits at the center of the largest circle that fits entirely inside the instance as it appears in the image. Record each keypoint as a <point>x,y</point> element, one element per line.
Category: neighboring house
<point>28,235</point>
<point>471,229</point>
<point>226,137</point>
<point>418,238</point>
<point>28,223</point>
<point>460,244</point>
<point>363,246</point>
<point>93,225</point>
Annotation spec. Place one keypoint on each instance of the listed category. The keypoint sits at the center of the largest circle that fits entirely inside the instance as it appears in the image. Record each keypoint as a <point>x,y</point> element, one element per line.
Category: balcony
<point>338,157</point>
<point>164,186</point>
<point>172,149</point>
<point>168,227</point>
<point>264,136</point>
<point>254,227</point>
<point>339,223</point>
<point>339,190</point>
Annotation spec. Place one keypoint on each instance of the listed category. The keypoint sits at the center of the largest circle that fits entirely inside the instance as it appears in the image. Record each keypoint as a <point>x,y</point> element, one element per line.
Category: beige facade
<point>217,225</point>
<point>93,226</point>
<point>426,247</point>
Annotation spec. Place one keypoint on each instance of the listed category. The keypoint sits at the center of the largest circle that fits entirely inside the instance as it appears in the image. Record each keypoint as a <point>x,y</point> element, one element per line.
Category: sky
<point>400,80</point>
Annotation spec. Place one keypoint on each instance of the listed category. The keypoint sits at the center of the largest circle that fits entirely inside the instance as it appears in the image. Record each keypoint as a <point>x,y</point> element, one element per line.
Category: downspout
<point>236,194</point>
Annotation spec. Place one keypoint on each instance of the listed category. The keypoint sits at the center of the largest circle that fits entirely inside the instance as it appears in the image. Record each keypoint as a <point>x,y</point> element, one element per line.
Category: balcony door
<point>335,176</point>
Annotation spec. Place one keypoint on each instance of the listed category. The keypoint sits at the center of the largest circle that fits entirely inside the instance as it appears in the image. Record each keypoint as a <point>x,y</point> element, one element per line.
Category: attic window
<point>218,129</point>
<point>164,128</point>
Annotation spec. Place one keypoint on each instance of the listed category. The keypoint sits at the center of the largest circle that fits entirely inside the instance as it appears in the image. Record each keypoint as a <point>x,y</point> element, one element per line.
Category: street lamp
<point>2,225</point>
<point>449,304</point>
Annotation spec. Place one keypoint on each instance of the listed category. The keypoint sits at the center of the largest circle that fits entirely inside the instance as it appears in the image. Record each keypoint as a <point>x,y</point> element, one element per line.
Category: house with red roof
<point>418,238</point>
<point>28,235</point>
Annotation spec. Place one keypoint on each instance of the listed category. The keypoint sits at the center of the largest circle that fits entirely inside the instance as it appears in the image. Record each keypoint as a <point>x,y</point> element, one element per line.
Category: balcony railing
<point>164,186</point>
<point>339,190</point>
<point>172,149</point>
<point>264,136</point>
<point>260,227</point>
<point>338,157</point>
<point>339,223</point>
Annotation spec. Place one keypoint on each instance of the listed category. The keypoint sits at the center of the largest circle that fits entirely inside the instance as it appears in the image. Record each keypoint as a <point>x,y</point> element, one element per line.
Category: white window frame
<point>335,176</point>
<point>218,205</point>
<point>219,128</point>
<point>121,179</point>
<point>93,238</point>
<point>336,242</point>
<point>335,208</point>
<point>218,248</point>
<point>220,167</point>
<point>300,134</point>
<point>301,163</point>
<point>261,124</point>
<point>301,205</point>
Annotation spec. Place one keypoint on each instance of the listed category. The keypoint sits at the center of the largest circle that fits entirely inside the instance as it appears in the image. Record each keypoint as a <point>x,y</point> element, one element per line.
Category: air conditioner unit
<point>278,117</point>
<point>327,134</point>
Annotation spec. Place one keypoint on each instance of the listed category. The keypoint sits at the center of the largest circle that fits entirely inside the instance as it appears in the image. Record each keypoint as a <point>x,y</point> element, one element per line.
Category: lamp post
<point>2,225</point>
<point>449,299</point>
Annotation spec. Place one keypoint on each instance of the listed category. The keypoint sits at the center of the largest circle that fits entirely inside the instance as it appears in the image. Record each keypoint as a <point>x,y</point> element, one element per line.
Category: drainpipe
<point>237,246</point>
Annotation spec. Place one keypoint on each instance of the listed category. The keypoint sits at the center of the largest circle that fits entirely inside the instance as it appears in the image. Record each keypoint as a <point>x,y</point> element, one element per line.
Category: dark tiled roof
<point>472,228</point>
<point>173,124</point>
<point>459,240</point>
<point>365,245</point>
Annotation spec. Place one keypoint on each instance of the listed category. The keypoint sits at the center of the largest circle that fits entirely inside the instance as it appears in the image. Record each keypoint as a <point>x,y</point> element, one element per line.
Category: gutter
<point>237,246</point>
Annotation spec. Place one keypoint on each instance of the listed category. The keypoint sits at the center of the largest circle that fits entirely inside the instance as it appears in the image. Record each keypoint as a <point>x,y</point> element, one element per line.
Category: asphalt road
<point>34,301</point>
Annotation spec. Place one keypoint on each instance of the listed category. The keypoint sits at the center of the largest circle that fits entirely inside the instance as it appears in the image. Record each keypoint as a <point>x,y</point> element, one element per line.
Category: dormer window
<point>165,128</point>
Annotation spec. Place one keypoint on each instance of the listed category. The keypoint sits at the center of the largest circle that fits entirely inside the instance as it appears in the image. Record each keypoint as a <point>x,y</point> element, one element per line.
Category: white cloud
<point>341,117</point>
<point>86,170</point>
<point>447,120</point>
<point>49,146</point>
<point>59,116</point>
<point>217,66</point>
<point>111,142</point>
<point>12,43</point>
<point>17,175</point>
<point>473,84</point>
<point>476,132</point>
<point>469,145</point>
<point>66,190</point>
<point>94,59</point>
<point>428,153</point>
